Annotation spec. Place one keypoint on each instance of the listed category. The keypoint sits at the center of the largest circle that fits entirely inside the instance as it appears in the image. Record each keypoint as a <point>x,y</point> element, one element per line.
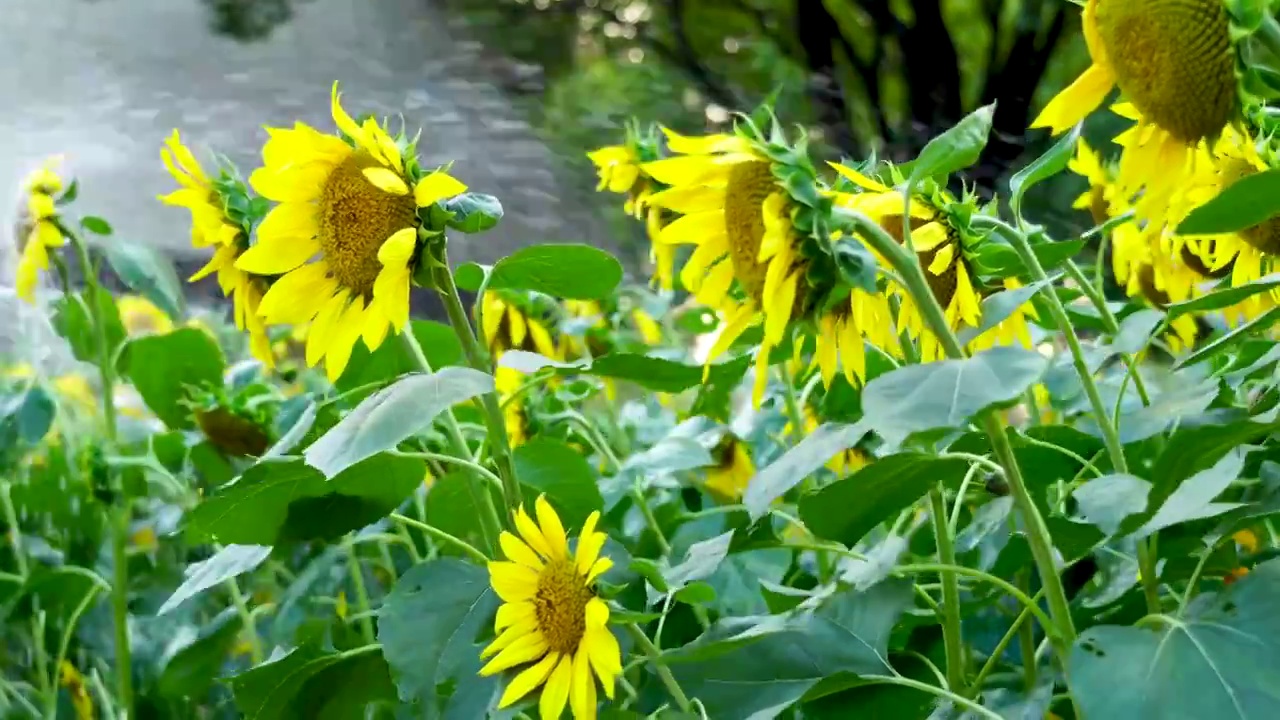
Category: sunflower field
<point>861,442</point>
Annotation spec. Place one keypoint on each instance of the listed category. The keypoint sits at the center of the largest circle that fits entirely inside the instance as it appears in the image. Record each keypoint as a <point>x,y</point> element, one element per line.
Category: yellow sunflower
<point>1097,199</point>
<point>140,316</point>
<point>344,234</point>
<point>507,381</point>
<point>507,326</point>
<point>845,462</point>
<point>727,480</point>
<point>1174,61</point>
<point>551,620</point>
<point>737,214</point>
<point>620,170</point>
<point>211,227</point>
<point>40,186</point>
<point>948,270</point>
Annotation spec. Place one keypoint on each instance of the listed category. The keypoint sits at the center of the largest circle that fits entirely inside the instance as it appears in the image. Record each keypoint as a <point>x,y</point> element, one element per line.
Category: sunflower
<point>212,227</point>
<point>1175,62</point>
<point>551,620</point>
<point>944,253</point>
<point>1101,193</point>
<point>507,381</point>
<point>140,316</point>
<point>845,462</point>
<point>727,480</point>
<point>509,326</point>
<point>344,234</point>
<point>620,170</point>
<point>40,186</point>
<point>737,210</point>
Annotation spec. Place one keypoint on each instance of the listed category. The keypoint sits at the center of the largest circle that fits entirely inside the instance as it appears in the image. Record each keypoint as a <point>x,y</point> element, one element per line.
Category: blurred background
<point>515,91</point>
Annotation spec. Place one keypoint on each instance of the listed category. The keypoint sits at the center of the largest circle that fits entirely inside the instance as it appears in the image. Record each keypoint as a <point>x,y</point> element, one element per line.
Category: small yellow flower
<point>343,236</point>
<point>73,681</point>
<point>1247,540</point>
<point>211,227</point>
<point>144,539</point>
<point>40,187</point>
<point>551,621</point>
<point>141,317</point>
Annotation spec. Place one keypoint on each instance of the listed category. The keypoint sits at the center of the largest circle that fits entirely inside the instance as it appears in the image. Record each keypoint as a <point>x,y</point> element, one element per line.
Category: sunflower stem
<point>664,673</point>
<point>792,403</point>
<point>952,630</point>
<point>478,358</point>
<point>1108,424</point>
<point>1038,537</point>
<point>442,536</point>
<point>362,593</point>
<point>120,514</point>
<point>490,523</point>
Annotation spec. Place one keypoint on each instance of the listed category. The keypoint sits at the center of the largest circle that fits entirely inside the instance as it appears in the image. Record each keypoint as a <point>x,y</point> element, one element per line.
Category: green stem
<point>1012,590</point>
<point>478,358</point>
<point>1015,630</point>
<point>362,593</point>
<point>932,690</point>
<point>1109,322</point>
<point>443,536</point>
<point>792,404</point>
<point>474,467</point>
<point>1038,537</point>
<point>664,673</point>
<point>490,523</point>
<point>638,497</point>
<point>952,634</point>
<point>15,533</point>
<point>246,618</point>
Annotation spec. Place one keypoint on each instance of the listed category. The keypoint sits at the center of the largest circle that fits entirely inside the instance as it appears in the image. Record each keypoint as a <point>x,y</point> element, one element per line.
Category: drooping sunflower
<point>43,234</point>
<point>1101,193</point>
<point>507,381</point>
<point>843,463</point>
<point>1175,62</point>
<point>750,208</point>
<point>620,168</point>
<point>344,235</point>
<point>551,620</point>
<point>140,316</point>
<point>509,324</point>
<point>727,480</point>
<point>944,249</point>
<point>212,226</point>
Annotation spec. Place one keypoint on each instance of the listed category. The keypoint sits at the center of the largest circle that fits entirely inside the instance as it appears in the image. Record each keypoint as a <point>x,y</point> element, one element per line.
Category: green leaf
<point>1052,162</point>
<point>279,501</point>
<point>392,415</point>
<point>669,455</point>
<point>95,225</point>
<point>700,561</point>
<point>798,463</point>
<point>165,368</point>
<point>195,660</point>
<point>311,684</point>
<point>745,666</point>
<point>855,263</point>
<point>451,507</point>
<point>998,259</point>
<point>473,212</point>
<point>1251,329</point>
<point>26,417</point>
<point>998,307</point>
<point>1106,501</point>
<point>1135,330</point>
<point>72,321</point>
<point>1249,201</point>
<point>1193,498</point>
<point>846,510</point>
<point>149,273</point>
<point>571,271</point>
<point>470,276</point>
<point>652,373</point>
<point>696,593</point>
<point>231,561</point>
<point>1221,659</point>
<point>947,394</point>
<point>392,359</point>
<point>1226,297</point>
<point>955,149</point>
<point>428,627</point>
<point>552,467</point>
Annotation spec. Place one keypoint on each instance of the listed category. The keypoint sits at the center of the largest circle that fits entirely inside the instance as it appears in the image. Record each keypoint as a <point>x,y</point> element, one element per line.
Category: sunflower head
<point>619,167</point>
<point>239,423</point>
<point>38,229</point>
<point>727,480</point>
<point>519,321</point>
<point>551,622</point>
<point>140,316</point>
<point>1174,60</point>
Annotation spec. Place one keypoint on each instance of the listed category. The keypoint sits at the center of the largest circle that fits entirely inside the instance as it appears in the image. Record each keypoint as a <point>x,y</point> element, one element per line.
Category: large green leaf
<point>653,373</point>
<point>392,359</point>
<point>1106,501</point>
<point>195,660</point>
<point>798,463</point>
<point>1053,161</point>
<point>165,368</point>
<point>552,467</point>
<point>451,507</point>
<point>394,414</point>
<point>1193,499</point>
<point>429,626</point>
<point>946,394</point>
<point>1251,200</point>
<point>310,684</point>
<point>25,417</point>
<point>570,271</point>
<point>72,320</point>
<point>745,666</point>
<point>846,510</point>
<point>229,562</point>
<point>147,272</point>
<point>1226,297</point>
<point>280,501</point>
<point>1222,659</point>
<point>955,149</point>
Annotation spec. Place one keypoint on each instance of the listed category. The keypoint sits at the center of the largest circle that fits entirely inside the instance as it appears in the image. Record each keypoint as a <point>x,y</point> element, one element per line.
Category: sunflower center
<point>561,605</point>
<point>355,218</point>
<point>750,183</point>
<point>1153,294</point>
<point>1173,60</point>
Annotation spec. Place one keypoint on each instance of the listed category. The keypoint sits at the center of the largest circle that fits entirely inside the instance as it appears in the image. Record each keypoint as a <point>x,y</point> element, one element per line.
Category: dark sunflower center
<point>749,184</point>
<point>1099,208</point>
<point>1197,264</point>
<point>1153,294</point>
<point>1173,59</point>
<point>355,218</point>
<point>234,435</point>
<point>561,605</point>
